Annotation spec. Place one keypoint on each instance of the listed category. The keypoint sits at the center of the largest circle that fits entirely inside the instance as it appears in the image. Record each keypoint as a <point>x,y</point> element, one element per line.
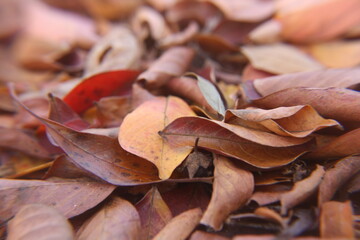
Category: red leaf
<point>98,86</point>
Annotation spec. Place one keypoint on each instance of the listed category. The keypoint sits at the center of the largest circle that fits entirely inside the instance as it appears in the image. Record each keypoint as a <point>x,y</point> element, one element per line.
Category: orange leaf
<point>232,188</point>
<point>37,221</point>
<point>139,133</point>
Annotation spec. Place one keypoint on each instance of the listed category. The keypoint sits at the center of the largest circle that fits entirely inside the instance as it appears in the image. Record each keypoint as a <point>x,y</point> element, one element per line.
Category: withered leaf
<point>336,220</point>
<point>138,133</point>
<point>200,235</point>
<point>154,213</point>
<point>302,190</point>
<point>257,148</point>
<point>118,219</point>
<point>335,177</point>
<point>232,188</point>
<point>296,121</point>
<point>37,222</point>
<point>180,227</point>
<point>81,195</point>
<point>280,58</point>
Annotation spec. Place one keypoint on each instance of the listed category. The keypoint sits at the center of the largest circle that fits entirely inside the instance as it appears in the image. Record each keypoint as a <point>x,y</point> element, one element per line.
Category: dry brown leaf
<point>280,58</point>
<point>180,38</point>
<point>118,219</point>
<point>342,146</point>
<point>297,121</point>
<point>337,54</point>
<point>270,214</point>
<point>246,10</point>
<point>173,63</point>
<point>340,78</point>
<point>119,49</point>
<point>162,4</point>
<point>335,177</point>
<point>269,194</point>
<point>302,190</point>
<point>336,221</point>
<point>315,21</point>
<point>154,213</point>
<point>232,188</point>
<point>335,103</point>
<point>39,222</point>
<point>257,148</point>
<point>138,133</point>
<point>267,32</point>
<point>10,18</point>
<point>180,227</point>
<point>81,195</point>
<point>251,73</point>
<point>200,235</point>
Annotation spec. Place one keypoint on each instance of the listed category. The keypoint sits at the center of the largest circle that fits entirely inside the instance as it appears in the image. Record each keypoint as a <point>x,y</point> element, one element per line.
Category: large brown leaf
<point>118,219</point>
<point>340,78</point>
<point>69,196</point>
<point>336,221</point>
<point>335,177</point>
<point>154,213</point>
<point>39,222</point>
<point>279,58</point>
<point>315,21</point>
<point>232,188</point>
<point>180,227</point>
<point>139,133</point>
<point>257,148</point>
<point>335,103</point>
<point>302,190</point>
<point>297,121</point>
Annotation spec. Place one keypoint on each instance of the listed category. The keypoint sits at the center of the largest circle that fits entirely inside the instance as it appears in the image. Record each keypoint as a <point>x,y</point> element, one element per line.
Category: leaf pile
<point>199,119</point>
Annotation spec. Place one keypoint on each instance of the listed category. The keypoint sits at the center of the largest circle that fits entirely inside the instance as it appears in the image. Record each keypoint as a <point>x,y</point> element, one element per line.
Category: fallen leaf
<point>267,32</point>
<point>118,49</point>
<point>270,214</point>
<point>162,4</point>
<point>342,146</point>
<point>180,227</point>
<point>143,139</point>
<point>336,177</point>
<point>154,213</point>
<point>195,160</point>
<point>37,221</point>
<point>251,73</point>
<point>302,190</point>
<point>279,58</point>
<point>332,54</point>
<point>245,11</point>
<point>180,38</point>
<point>269,194</point>
<point>173,63</point>
<point>296,121</point>
<point>339,78</point>
<point>118,219</point>
<point>101,85</point>
<point>10,22</point>
<point>336,220</point>
<point>200,235</point>
<point>335,103</point>
<point>81,195</point>
<point>232,188</point>
<point>315,21</point>
<point>257,148</point>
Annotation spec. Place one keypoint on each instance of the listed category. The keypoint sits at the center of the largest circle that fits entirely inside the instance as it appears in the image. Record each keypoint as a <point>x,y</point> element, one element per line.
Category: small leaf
<point>232,188</point>
<point>37,221</point>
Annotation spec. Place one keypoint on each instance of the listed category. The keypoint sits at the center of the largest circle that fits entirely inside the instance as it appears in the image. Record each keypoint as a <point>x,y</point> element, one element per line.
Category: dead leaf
<point>269,194</point>
<point>10,20</point>
<point>154,213</point>
<point>81,195</point>
<point>245,11</point>
<point>280,58</point>
<point>267,32</point>
<point>37,222</point>
<point>296,121</point>
<point>336,220</point>
<point>180,227</point>
<point>251,73</point>
<point>302,190</point>
<point>335,103</point>
<point>232,188</point>
<point>118,219</point>
<point>138,133</point>
<point>339,78</point>
<point>332,54</point>
<point>117,50</point>
<point>200,235</point>
<point>315,21</point>
<point>195,160</point>
<point>336,177</point>
<point>173,63</point>
<point>257,148</point>
<point>162,4</point>
<point>180,38</point>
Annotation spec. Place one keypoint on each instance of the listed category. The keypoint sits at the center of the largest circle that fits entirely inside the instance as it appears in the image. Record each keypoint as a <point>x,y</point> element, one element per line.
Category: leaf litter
<point>198,119</point>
